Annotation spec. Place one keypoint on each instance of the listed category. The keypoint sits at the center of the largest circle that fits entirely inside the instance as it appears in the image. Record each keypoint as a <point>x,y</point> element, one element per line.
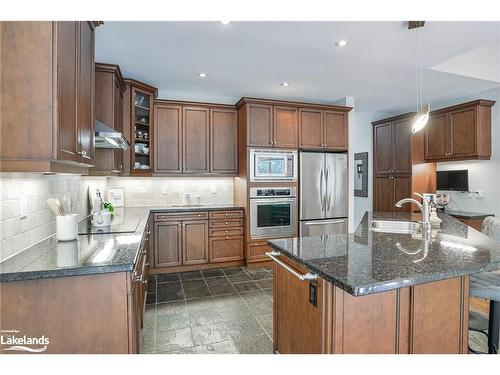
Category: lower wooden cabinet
<point>167,244</point>
<point>389,190</point>
<point>256,251</point>
<point>194,240</point>
<point>226,248</point>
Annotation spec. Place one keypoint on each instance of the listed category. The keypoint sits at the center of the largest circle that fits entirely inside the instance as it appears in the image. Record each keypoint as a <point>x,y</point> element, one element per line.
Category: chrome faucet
<point>425,209</point>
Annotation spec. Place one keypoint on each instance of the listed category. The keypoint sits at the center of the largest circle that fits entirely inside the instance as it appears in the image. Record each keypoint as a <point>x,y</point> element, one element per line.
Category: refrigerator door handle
<point>324,222</point>
<point>321,192</point>
<point>329,190</point>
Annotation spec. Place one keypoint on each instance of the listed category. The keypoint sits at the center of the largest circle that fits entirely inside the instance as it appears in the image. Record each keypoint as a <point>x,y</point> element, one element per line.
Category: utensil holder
<point>67,227</point>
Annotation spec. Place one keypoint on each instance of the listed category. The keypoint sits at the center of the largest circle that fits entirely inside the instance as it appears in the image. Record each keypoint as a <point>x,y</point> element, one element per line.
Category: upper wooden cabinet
<point>195,139</point>
<point>138,122</point>
<point>109,89</point>
<point>392,145</point>
<point>460,132</point>
<point>47,117</point>
<point>272,123</point>
<point>323,129</point>
<point>223,141</point>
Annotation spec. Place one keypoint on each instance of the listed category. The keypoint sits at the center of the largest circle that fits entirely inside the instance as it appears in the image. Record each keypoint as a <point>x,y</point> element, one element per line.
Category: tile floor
<point>225,310</point>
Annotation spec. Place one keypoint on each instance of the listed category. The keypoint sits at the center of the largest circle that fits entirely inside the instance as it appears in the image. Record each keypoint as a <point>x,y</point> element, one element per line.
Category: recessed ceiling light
<point>225,22</point>
<point>341,43</point>
<point>284,84</point>
<point>202,75</point>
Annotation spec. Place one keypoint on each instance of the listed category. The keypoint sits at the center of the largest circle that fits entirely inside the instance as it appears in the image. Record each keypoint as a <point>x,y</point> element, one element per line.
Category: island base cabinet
<point>428,318</point>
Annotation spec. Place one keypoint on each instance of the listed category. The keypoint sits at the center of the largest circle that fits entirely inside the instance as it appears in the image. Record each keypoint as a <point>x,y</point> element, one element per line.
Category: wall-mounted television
<point>452,180</point>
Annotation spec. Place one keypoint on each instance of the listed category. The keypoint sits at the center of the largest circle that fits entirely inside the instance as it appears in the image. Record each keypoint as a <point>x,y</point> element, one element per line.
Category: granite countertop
<point>367,262</point>
<point>467,214</point>
<point>89,254</point>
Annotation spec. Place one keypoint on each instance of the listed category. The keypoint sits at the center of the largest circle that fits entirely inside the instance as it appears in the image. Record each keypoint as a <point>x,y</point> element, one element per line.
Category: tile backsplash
<point>160,191</point>
<point>18,233</point>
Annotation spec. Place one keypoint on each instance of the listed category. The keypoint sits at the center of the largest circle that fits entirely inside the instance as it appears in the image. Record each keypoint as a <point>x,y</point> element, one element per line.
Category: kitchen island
<point>378,292</point>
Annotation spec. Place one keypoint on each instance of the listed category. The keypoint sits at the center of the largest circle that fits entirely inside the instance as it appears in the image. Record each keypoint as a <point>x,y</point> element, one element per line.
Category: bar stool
<point>487,285</point>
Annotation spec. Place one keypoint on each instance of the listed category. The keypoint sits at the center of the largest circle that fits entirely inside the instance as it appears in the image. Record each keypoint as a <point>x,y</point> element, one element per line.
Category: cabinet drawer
<point>258,250</point>
<point>226,223</point>
<point>226,214</point>
<point>226,248</point>
<point>226,232</point>
<point>181,216</point>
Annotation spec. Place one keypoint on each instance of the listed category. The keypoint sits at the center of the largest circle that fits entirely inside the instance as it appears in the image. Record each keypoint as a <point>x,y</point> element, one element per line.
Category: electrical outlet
<point>23,206</point>
<point>164,190</point>
<point>480,193</point>
<point>213,189</point>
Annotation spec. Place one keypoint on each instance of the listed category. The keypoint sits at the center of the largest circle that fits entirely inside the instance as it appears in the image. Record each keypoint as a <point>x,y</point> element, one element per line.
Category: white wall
<point>483,174</point>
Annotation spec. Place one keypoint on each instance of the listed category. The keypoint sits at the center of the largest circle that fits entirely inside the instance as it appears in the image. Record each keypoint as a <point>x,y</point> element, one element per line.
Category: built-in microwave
<point>273,165</point>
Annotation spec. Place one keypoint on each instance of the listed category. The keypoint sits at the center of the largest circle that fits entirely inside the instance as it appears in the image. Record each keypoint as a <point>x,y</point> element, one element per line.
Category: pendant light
<point>422,117</point>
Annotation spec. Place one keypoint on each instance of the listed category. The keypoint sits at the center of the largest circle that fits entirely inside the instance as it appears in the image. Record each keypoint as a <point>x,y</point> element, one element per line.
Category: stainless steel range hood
<point>105,137</point>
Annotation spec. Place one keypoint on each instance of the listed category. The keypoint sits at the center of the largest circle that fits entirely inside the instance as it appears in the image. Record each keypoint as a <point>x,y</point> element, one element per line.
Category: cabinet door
<point>383,154</point>
<point>168,138</point>
<point>257,250</point>
<point>402,146</point>
<point>336,135</point>
<point>384,194</point>
<point>463,132</point>
<point>298,322</point>
<point>223,141</point>
<point>260,125</point>
<point>167,244</point>
<point>402,189</point>
<point>436,137</point>
<point>286,127</point>
<point>67,78</point>
<point>85,104</point>
<point>195,139</point>
<point>195,242</point>
<point>225,249</point>
<point>310,128</point>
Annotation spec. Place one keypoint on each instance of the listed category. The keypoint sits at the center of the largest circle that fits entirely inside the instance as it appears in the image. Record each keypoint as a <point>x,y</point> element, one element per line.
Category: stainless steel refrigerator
<point>323,193</point>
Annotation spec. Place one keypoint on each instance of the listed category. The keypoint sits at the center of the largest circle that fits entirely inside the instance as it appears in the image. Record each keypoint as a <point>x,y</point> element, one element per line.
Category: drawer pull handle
<point>308,276</point>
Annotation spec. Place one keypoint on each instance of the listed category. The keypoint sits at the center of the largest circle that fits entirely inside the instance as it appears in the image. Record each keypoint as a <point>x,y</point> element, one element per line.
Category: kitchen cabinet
<point>191,240</point>
<point>388,190</point>
<point>138,128</point>
<point>256,250</point>
<point>195,139</point>
<point>194,242</point>
<point>393,146</point>
<point>460,132</point>
<point>274,123</point>
<point>167,244</point>
<point>226,236</point>
<point>223,141</point>
<point>285,127</point>
<point>297,321</point>
<point>323,129</point>
<point>195,136</point>
<point>52,63</point>
<point>260,125</point>
<point>168,138</point>
<point>109,90</point>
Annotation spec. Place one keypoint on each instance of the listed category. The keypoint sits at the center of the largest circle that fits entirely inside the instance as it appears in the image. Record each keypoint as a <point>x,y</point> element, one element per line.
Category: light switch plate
<point>23,206</point>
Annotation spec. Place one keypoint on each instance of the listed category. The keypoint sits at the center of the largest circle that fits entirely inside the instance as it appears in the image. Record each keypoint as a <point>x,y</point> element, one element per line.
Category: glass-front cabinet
<point>141,129</point>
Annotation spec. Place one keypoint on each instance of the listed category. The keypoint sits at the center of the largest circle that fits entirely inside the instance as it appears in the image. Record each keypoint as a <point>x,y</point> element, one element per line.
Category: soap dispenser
<point>434,219</point>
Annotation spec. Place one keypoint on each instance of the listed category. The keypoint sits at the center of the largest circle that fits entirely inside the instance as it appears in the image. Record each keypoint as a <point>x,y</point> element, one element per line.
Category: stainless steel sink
<point>389,226</point>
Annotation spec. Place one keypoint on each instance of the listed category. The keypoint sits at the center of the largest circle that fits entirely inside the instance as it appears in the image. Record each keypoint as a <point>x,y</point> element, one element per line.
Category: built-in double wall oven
<point>273,212</point>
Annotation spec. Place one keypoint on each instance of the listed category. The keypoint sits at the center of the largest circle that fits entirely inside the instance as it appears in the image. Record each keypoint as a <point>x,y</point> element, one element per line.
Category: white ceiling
<point>377,67</point>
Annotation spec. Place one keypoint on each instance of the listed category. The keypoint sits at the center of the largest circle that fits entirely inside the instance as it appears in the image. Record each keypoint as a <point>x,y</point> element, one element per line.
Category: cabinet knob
<point>226,231</point>
<point>200,215</point>
<point>226,223</point>
<point>227,237</point>
<point>226,215</point>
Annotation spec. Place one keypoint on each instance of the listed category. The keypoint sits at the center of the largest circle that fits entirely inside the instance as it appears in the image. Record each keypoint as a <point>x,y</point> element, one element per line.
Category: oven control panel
<point>272,192</point>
